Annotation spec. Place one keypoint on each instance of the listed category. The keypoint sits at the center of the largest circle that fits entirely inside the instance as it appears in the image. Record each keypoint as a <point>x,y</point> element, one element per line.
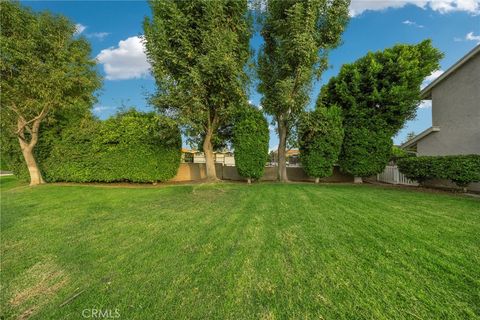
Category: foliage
<point>320,139</point>
<point>44,68</point>
<point>379,92</point>
<point>132,146</point>
<point>364,152</point>
<point>460,169</point>
<point>250,140</point>
<point>410,136</point>
<point>198,51</point>
<point>58,121</point>
<point>298,35</point>
<point>4,164</point>
<point>398,153</point>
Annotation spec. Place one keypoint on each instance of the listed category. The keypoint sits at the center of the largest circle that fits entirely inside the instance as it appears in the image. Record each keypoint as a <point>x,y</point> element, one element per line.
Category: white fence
<point>391,174</point>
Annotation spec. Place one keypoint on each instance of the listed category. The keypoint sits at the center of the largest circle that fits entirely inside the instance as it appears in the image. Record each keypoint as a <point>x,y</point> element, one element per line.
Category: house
<point>292,158</point>
<point>455,97</point>
<point>224,157</point>
<point>455,129</point>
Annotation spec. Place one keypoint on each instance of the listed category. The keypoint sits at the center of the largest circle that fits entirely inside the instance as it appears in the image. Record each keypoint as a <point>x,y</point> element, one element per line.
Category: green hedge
<point>365,152</point>
<point>461,169</point>
<point>250,140</point>
<point>132,146</point>
<point>320,137</point>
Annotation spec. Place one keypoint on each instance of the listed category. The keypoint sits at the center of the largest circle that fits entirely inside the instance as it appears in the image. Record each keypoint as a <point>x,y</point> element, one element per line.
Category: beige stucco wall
<point>196,171</point>
<point>456,110</point>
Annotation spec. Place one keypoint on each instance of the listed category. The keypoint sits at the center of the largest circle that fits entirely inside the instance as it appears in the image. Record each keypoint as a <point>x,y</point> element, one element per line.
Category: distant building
<point>195,156</point>
<point>293,158</point>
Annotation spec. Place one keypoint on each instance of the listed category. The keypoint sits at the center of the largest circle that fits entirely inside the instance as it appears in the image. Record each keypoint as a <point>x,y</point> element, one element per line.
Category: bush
<point>460,169</point>
<point>320,136</point>
<point>250,140</point>
<point>365,152</point>
<point>132,146</point>
<point>398,153</point>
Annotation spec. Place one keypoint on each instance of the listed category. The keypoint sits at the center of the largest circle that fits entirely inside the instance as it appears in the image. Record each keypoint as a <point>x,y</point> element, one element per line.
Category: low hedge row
<point>461,169</point>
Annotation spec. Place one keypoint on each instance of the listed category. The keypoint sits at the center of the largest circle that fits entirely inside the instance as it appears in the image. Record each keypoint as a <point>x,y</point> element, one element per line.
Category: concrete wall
<point>447,184</point>
<point>196,171</point>
<point>456,110</point>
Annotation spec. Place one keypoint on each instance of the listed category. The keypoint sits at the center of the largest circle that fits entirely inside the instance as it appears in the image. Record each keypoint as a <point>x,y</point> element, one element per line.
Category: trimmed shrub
<point>460,169</point>
<point>250,140</point>
<point>132,146</point>
<point>398,153</point>
<point>378,92</point>
<point>419,168</point>
<point>365,152</point>
<point>320,137</point>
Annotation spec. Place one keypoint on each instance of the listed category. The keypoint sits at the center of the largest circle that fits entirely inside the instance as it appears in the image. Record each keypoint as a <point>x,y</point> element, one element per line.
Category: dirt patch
<point>36,287</point>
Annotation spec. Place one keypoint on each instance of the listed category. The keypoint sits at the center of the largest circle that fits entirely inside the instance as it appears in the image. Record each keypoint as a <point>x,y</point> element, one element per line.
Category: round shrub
<point>365,152</point>
<point>320,136</point>
<point>250,141</point>
<point>132,146</point>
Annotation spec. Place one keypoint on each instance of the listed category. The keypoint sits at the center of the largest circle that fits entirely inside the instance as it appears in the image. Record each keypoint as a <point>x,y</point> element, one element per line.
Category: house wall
<point>456,110</point>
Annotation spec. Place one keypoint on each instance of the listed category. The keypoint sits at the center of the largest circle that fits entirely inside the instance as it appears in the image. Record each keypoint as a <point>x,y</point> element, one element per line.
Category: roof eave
<point>419,137</point>
<point>426,93</point>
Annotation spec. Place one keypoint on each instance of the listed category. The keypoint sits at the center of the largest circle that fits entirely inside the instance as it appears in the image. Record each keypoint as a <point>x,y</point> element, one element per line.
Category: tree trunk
<point>35,174</point>
<point>317,180</point>
<point>209,156</point>
<point>27,148</point>
<point>357,180</point>
<point>249,181</point>
<point>282,157</point>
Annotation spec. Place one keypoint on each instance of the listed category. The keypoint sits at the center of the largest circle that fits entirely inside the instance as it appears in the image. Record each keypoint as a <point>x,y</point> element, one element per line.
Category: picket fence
<point>392,175</point>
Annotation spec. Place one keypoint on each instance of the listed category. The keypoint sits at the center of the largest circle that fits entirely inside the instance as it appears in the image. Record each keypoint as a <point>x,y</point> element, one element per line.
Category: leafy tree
<point>398,153</point>
<point>44,68</point>
<point>198,51</point>
<point>378,93</point>
<point>250,140</point>
<point>410,136</point>
<point>52,128</point>
<point>320,134</point>
<point>298,35</point>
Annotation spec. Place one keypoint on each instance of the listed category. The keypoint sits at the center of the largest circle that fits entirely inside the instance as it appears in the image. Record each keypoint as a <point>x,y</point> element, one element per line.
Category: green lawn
<point>232,251</point>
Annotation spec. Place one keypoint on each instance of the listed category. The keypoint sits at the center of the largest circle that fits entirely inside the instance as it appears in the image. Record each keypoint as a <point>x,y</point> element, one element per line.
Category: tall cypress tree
<point>298,35</point>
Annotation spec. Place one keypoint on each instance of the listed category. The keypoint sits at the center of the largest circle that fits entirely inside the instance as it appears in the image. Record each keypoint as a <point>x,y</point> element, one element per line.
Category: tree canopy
<point>44,68</point>
<point>199,51</point>
<point>298,35</point>
<point>378,94</point>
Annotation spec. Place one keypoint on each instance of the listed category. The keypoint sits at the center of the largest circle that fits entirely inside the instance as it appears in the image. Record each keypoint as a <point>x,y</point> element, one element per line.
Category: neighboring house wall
<point>456,110</point>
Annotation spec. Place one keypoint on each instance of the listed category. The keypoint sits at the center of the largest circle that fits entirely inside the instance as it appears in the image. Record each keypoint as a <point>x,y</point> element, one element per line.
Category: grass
<point>232,251</point>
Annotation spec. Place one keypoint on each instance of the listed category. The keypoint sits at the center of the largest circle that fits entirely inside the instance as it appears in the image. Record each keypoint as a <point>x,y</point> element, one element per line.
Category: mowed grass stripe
<point>232,251</point>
